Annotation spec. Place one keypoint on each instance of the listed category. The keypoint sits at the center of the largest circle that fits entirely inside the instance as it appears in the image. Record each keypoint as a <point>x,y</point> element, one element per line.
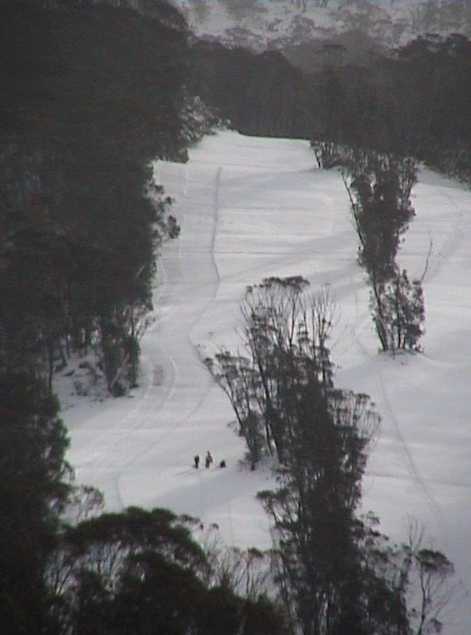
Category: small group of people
<point>208,461</point>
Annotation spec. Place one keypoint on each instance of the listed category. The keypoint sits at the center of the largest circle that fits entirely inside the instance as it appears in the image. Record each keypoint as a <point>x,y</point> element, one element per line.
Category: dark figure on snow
<point>209,459</point>
<point>196,460</point>
<point>222,463</point>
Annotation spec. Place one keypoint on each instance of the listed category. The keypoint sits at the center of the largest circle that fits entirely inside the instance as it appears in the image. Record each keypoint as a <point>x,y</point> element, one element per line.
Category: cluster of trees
<point>335,573</point>
<point>432,72</point>
<point>410,102</point>
<point>379,188</point>
<point>92,94</point>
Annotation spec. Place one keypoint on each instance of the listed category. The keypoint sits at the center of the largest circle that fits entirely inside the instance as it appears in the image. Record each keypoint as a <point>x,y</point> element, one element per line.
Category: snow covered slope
<point>251,208</point>
<point>260,24</point>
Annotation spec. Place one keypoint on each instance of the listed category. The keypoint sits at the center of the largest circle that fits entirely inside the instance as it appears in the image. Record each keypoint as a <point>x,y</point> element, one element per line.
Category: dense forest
<point>92,93</point>
<point>92,96</point>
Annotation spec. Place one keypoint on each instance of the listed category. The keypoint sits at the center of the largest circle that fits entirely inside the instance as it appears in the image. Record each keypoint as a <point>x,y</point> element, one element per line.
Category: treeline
<point>260,94</point>
<point>413,101</point>
<point>91,95</point>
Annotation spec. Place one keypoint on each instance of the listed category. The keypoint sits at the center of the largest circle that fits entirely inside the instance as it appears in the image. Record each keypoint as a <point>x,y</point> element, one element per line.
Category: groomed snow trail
<point>251,208</point>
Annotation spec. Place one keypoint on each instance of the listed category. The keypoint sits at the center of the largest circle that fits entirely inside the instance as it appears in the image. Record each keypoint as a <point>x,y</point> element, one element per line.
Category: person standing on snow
<point>196,459</point>
<point>209,459</point>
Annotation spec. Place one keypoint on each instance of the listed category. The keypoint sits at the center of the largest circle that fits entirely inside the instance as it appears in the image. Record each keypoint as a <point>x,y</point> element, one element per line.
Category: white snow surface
<point>251,208</point>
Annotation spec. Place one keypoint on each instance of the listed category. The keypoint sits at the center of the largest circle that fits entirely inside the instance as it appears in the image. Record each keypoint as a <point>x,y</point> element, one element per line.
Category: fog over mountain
<point>262,24</point>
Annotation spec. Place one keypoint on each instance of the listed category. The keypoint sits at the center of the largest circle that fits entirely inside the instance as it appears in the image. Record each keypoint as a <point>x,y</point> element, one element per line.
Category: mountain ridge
<point>276,24</point>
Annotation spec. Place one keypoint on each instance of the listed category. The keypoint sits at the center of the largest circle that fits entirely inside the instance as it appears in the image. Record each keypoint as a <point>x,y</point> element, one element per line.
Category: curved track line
<point>194,348</point>
<point>450,244</point>
<point>411,465</point>
<point>106,458</point>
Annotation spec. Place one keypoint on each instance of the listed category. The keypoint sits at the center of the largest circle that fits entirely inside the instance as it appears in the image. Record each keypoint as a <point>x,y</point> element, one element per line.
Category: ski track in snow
<point>250,208</point>
<point>197,318</point>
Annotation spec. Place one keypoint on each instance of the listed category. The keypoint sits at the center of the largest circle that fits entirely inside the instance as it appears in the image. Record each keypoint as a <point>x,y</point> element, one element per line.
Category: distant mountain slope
<point>261,24</point>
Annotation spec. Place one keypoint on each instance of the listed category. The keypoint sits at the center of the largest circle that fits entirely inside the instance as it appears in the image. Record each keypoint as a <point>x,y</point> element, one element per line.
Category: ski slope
<point>251,208</point>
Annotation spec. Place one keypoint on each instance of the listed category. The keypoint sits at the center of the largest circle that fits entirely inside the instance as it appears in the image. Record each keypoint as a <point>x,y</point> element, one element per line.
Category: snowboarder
<point>208,460</point>
<point>222,463</point>
<point>197,461</point>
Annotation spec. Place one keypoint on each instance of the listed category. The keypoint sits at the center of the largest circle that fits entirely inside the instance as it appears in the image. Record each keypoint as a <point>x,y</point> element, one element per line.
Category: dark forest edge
<point>97,92</point>
<point>92,95</point>
<point>412,101</point>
